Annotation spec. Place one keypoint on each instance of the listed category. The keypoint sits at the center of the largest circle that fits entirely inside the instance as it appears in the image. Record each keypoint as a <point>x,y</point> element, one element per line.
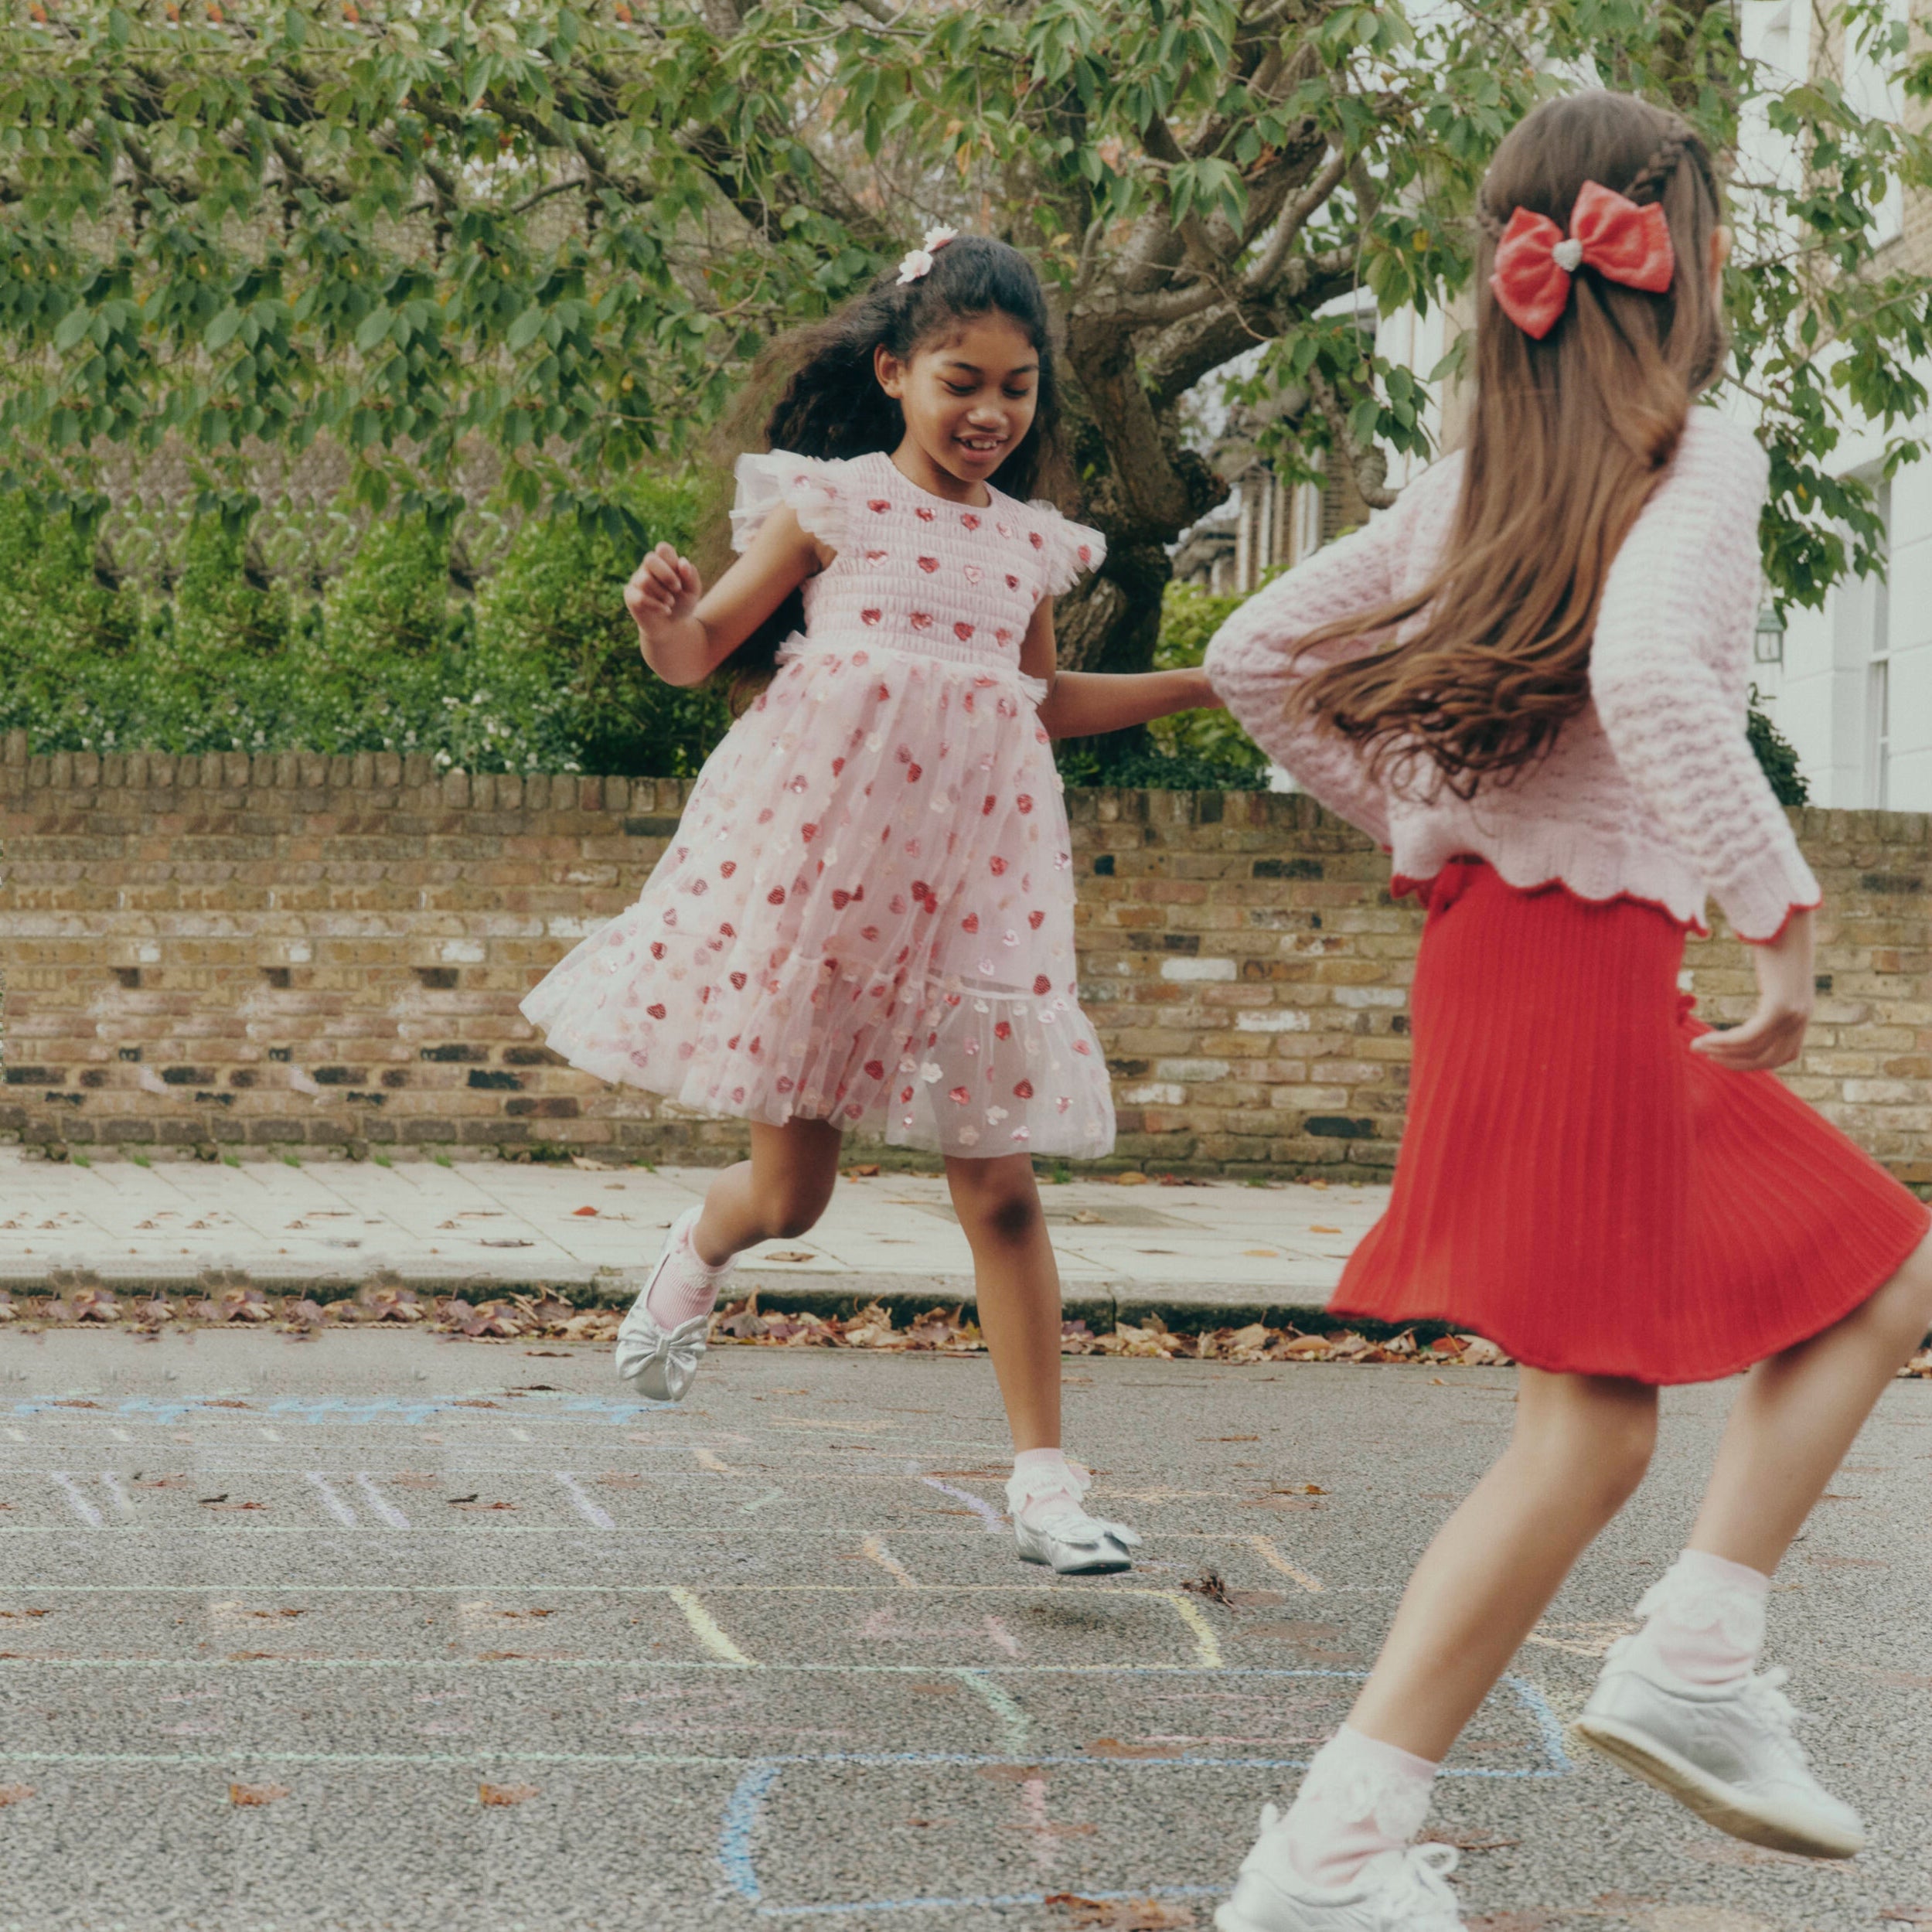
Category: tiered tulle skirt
<point>1579,1186</point>
<point>866,917</point>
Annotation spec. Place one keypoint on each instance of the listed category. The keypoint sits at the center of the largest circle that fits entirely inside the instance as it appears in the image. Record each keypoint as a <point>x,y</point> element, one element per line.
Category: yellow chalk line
<point>1207,1645</point>
<point>704,1627</point>
<point>1279,1563</point>
<point>876,1549</point>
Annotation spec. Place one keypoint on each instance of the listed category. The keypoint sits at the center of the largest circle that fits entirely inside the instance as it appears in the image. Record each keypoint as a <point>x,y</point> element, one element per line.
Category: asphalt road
<point>489,1646</point>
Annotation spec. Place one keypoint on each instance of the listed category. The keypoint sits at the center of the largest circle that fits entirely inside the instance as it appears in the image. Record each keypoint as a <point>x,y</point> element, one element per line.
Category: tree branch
<point>1157,138</point>
<point>1293,219</point>
<point>1370,465</point>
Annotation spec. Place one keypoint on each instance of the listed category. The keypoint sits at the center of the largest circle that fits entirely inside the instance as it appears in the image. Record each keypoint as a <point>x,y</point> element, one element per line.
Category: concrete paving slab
<point>492,1227</point>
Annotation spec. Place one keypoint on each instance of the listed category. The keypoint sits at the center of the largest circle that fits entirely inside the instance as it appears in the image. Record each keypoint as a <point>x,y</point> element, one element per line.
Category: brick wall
<point>220,953</point>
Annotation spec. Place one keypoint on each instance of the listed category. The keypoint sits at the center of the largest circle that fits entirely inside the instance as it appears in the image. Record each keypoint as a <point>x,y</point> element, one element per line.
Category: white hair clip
<point>919,261</point>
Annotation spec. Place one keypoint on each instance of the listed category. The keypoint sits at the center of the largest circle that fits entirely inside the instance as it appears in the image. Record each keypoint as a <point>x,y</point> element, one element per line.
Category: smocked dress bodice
<point>915,572</point>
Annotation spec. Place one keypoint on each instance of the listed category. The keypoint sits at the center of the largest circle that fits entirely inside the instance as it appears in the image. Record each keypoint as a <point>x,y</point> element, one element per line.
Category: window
<point>1878,673</point>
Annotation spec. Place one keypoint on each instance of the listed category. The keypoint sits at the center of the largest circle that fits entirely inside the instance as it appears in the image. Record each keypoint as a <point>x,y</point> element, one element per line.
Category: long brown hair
<point>1568,436</point>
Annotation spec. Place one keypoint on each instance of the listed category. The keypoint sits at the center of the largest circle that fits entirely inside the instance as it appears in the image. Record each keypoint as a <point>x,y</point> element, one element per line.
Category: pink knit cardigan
<point>1651,791</point>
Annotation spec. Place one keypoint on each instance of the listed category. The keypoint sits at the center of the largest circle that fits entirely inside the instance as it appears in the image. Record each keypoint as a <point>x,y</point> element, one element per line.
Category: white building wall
<point>1855,694</point>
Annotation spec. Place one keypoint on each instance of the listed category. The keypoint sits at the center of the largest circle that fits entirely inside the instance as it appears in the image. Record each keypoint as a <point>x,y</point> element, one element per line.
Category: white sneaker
<point>1725,1751</point>
<point>1061,1534</point>
<point>1405,1891</point>
<point>660,1363</point>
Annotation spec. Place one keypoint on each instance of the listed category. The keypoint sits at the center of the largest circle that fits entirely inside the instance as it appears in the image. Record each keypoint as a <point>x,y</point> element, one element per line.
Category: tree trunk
<point>1111,620</point>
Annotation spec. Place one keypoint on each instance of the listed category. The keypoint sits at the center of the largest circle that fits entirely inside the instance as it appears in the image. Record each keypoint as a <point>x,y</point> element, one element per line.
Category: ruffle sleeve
<point>814,489</point>
<point>1071,550</point>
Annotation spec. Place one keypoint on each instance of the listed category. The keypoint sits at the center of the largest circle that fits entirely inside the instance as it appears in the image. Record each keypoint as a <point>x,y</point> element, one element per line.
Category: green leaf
<point>375,327</point>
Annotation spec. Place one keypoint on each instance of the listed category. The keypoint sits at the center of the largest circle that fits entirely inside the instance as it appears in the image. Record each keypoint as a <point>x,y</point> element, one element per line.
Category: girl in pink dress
<point>866,919</point>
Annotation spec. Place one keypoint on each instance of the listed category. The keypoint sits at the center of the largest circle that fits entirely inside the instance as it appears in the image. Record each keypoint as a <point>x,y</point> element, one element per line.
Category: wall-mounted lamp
<point>1767,641</point>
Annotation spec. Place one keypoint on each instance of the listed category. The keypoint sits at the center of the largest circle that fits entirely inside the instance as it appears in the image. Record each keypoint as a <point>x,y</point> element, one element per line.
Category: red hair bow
<point>1534,260</point>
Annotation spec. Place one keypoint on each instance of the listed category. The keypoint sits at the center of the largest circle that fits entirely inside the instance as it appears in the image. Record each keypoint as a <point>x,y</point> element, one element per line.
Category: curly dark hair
<point>829,403</point>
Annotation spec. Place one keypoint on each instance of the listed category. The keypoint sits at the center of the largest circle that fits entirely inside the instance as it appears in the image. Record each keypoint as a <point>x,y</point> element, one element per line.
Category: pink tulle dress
<point>866,915</point>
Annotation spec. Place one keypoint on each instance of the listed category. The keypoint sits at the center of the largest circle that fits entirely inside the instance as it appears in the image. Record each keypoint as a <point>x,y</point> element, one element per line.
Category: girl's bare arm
<point>687,632</point>
<point>1087,704</point>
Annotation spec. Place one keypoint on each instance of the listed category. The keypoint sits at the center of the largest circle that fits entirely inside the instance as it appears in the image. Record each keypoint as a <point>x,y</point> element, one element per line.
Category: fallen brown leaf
<point>505,1793</point>
<point>790,1254</point>
<point>1113,1747</point>
<point>15,1794</point>
<point>1123,1915</point>
<point>1211,1584</point>
<point>256,1794</point>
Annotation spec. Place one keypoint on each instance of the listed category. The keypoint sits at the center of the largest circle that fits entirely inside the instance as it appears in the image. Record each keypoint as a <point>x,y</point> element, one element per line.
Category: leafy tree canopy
<point>555,232</point>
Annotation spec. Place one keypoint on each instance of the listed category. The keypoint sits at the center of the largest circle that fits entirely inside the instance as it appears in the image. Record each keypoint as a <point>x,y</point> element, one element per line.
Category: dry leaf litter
<point>228,1298</point>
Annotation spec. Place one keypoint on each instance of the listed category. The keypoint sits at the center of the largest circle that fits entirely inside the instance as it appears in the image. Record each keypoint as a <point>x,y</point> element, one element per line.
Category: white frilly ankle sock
<point>1041,1477</point>
<point>685,1287</point>
<point>1706,1618</point>
<point>1360,1797</point>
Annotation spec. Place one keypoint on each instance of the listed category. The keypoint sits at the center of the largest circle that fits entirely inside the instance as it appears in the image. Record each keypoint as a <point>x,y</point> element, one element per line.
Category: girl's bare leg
<point>778,1194</point>
<point>1018,1285</point>
<point>1580,1449</point>
<point>1798,1416</point>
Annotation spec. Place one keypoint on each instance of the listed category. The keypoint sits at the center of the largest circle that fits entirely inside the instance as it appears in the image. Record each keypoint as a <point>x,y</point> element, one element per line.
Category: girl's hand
<point>1774,1034</point>
<point>1201,696</point>
<point>663,592</point>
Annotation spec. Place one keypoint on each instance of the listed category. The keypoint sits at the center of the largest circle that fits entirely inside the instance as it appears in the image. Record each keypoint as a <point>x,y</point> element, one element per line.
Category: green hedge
<point>538,671</point>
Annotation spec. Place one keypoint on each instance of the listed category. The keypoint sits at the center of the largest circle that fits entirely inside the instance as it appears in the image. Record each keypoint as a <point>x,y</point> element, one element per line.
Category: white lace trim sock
<point>1359,1798</point>
<point>1706,1618</point>
<point>1042,1478</point>
<point>685,1287</point>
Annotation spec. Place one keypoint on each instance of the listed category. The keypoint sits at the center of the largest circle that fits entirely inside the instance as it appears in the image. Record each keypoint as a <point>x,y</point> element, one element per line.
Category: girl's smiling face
<point>968,398</point>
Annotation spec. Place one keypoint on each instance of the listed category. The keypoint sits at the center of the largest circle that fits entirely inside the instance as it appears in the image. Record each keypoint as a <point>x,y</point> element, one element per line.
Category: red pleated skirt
<point>1579,1187</point>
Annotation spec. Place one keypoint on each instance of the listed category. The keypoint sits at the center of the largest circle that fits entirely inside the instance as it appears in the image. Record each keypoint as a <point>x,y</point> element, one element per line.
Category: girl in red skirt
<point>1528,681</point>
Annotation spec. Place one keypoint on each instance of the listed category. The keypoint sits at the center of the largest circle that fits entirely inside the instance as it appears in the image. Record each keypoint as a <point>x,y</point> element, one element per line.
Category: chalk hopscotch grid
<point>992,1684</point>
